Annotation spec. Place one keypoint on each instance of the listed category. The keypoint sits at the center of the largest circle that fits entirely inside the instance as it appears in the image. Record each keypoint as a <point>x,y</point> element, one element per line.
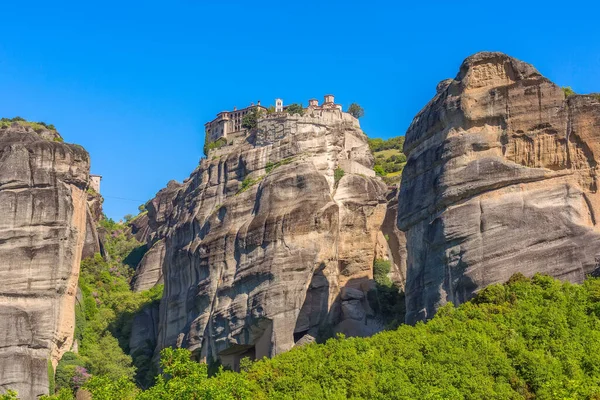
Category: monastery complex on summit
<point>230,122</point>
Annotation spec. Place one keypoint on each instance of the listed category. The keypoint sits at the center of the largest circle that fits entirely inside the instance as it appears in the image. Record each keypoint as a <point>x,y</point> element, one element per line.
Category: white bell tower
<point>278,105</point>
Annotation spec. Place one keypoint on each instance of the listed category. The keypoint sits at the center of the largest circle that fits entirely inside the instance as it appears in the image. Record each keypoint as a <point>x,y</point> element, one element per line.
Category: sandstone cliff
<point>43,215</point>
<point>501,178</point>
<point>257,244</point>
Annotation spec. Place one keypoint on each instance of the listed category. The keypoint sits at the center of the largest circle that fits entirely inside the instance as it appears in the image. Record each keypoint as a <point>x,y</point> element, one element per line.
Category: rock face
<point>43,215</point>
<point>255,246</point>
<point>501,178</point>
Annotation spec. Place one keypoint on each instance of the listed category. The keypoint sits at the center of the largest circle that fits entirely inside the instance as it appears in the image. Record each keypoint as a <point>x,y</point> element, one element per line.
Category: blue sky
<point>134,82</point>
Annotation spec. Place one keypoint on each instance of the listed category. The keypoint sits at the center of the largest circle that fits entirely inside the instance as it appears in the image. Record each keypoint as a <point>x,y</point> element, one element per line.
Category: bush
<point>217,144</point>
<point>9,395</point>
<point>568,91</point>
<point>295,109</point>
<point>248,183</point>
<point>379,170</point>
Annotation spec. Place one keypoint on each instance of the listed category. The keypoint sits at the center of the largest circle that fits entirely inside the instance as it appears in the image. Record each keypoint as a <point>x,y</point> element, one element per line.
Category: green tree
<point>295,108</point>
<point>250,120</point>
<point>356,110</point>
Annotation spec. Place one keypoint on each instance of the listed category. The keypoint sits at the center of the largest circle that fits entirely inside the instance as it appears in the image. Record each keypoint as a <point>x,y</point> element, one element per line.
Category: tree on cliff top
<point>250,120</point>
<point>356,110</point>
<point>295,109</point>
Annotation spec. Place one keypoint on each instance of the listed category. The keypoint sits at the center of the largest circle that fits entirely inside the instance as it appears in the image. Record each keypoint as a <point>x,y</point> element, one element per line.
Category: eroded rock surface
<point>259,240</point>
<point>501,178</point>
<point>43,214</point>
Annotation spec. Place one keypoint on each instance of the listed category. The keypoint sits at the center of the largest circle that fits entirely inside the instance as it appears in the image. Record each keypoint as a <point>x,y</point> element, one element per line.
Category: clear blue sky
<point>134,81</point>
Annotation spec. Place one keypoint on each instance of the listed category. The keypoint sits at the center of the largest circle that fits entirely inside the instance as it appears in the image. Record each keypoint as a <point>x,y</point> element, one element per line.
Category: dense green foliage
<point>9,395</point>
<point>250,120</point>
<point>356,110</point>
<point>389,158</point>
<point>530,338</point>
<point>105,315</point>
<point>295,108</point>
<point>217,144</point>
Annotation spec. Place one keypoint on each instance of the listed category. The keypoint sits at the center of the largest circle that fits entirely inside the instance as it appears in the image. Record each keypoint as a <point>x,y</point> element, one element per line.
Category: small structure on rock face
<point>95,182</point>
<point>278,105</point>
<point>328,104</point>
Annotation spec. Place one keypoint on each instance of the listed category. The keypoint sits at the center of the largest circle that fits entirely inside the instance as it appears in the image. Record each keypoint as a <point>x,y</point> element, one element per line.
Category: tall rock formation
<point>266,244</point>
<point>501,178</point>
<point>43,215</point>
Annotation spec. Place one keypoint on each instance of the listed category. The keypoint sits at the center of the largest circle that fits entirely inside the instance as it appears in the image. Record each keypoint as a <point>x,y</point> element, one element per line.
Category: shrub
<point>568,91</point>
<point>295,109</point>
<point>9,395</point>
<point>338,174</point>
<point>248,183</point>
<point>217,144</point>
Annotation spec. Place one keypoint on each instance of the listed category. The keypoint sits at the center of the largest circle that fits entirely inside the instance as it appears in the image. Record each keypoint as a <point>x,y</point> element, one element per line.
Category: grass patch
<point>217,144</point>
<point>36,126</point>
<point>271,166</point>
<point>248,183</point>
